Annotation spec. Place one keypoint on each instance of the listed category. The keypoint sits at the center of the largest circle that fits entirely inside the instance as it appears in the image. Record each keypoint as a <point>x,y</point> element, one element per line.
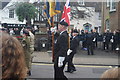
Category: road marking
<point>42,64</point>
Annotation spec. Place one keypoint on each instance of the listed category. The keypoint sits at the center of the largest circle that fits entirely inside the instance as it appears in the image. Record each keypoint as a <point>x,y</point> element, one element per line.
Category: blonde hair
<point>13,60</point>
<point>111,74</point>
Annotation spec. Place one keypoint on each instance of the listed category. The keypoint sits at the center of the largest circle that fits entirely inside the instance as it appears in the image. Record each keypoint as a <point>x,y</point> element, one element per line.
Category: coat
<point>61,45</point>
<point>27,51</point>
<point>74,44</point>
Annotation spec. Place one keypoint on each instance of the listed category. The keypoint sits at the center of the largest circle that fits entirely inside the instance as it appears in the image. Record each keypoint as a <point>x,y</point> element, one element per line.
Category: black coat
<point>61,45</point>
<point>107,37</point>
<point>89,38</point>
<point>74,44</point>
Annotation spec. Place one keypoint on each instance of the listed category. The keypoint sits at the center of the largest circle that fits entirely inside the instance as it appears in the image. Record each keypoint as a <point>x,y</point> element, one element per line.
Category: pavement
<point>100,57</point>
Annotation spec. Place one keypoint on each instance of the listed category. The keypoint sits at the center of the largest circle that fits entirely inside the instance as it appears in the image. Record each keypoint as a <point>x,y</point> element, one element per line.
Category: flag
<point>51,8</point>
<point>54,7</point>
<point>46,12</point>
<point>66,12</point>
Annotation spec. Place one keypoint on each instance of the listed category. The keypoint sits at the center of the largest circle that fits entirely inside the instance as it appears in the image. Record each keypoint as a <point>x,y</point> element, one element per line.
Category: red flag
<point>66,13</point>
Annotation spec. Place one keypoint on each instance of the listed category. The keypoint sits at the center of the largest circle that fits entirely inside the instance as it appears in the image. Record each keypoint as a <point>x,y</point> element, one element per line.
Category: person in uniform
<point>83,39</point>
<point>28,46</point>
<point>113,41</point>
<point>72,51</point>
<point>90,43</point>
<point>106,39</point>
<point>60,52</point>
<point>117,35</point>
<point>96,38</point>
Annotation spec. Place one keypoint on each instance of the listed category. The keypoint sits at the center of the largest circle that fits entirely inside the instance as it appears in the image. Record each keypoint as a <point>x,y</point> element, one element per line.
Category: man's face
<point>60,27</point>
<point>74,34</point>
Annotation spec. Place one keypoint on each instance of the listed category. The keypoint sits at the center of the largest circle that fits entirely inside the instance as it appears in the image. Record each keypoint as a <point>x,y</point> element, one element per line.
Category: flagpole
<point>68,37</point>
<point>52,40</point>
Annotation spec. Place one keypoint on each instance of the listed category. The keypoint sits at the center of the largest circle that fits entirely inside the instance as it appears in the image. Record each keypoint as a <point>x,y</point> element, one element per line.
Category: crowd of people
<point>91,40</point>
<point>108,41</point>
<point>16,54</point>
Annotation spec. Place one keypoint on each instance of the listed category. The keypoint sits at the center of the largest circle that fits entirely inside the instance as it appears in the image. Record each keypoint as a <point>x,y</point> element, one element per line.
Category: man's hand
<point>53,29</point>
<point>60,61</point>
<point>60,64</point>
<point>68,52</point>
<point>94,39</point>
<point>112,40</point>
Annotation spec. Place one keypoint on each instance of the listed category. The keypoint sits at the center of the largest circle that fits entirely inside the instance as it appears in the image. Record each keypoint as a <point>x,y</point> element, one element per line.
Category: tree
<point>26,11</point>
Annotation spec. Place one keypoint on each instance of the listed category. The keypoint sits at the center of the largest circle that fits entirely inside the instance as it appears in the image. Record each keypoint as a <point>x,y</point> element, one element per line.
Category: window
<point>112,6</point>
<point>11,13</point>
<point>100,16</point>
<point>108,3</point>
<point>107,24</point>
<point>81,2</point>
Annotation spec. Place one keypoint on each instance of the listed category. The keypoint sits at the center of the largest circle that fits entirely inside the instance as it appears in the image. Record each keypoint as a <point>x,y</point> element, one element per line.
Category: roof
<point>3,3</point>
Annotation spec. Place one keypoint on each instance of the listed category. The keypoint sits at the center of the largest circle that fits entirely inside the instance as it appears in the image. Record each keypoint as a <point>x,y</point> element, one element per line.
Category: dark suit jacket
<point>89,38</point>
<point>107,37</point>
<point>61,45</point>
<point>74,44</point>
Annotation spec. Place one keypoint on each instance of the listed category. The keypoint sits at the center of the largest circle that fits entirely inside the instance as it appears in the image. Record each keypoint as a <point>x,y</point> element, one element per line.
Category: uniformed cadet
<point>74,43</point>
<point>83,39</point>
<point>96,39</point>
<point>28,45</point>
<point>89,42</point>
<point>117,35</point>
<point>60,52</point>
<point>113,41</point>
<point>106,38</point>
<point>100,40</point>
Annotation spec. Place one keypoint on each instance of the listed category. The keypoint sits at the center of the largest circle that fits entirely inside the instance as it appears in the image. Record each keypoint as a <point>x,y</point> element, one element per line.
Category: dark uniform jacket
<point>107,37</point>
<point>61,45</point>
<point>117,36</point>
<point>89,38</point>
<point>74,44</point>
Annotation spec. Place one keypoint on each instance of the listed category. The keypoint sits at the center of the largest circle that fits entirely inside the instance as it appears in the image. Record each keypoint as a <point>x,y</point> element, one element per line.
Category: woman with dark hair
<point>13,60</point>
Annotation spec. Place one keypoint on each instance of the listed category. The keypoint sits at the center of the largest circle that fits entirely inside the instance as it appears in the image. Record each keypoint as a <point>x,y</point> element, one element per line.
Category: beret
<point>75,31</point>
<point>64,23</point>
<point>25,32</point>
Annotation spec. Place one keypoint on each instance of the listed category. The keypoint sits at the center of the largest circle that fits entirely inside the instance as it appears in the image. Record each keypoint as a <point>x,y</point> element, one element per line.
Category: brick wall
<point>114,19</point>
<point>119,15</point>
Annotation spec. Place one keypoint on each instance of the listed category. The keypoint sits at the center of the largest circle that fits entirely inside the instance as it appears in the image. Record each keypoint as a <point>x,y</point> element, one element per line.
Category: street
<point>85,32</point>
<point>44,71</point>
<point>87,66</point>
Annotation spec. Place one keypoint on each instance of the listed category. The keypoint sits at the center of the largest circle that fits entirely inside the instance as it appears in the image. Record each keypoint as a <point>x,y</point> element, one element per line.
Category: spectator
<point>11,32</point>
<point>111,74</point>
<point>13,63</point>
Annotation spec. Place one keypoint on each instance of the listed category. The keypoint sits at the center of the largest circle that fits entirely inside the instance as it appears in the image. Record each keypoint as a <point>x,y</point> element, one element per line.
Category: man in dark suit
<point>72,51</point>
<point>60,52</point>
<point>90,43</point>
<point>106,40</point>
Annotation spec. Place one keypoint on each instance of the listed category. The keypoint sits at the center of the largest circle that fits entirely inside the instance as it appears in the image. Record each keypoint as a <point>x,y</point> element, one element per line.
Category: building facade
<point>110,15</point>
<point>90,18</point>
<point>8,15</point>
